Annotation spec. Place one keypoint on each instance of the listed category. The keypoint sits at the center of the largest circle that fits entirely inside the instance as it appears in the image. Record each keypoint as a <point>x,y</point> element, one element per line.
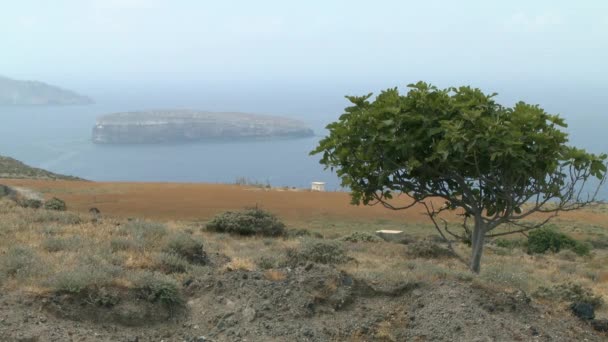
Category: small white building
<point>318,186</point>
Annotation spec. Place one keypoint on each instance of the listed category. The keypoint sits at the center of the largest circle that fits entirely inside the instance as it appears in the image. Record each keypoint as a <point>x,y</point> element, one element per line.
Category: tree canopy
<point>497,164</point>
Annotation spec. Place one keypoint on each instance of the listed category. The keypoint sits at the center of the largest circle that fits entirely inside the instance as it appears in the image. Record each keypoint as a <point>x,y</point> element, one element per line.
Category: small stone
<point>249,314</point>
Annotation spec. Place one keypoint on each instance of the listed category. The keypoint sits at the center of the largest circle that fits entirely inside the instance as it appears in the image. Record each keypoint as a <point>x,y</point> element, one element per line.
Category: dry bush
<point>275,275</point>
<point>239,264</point>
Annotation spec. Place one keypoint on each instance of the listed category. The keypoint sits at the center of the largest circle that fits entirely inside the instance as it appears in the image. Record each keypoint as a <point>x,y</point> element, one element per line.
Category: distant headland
<point>187,125</point>
<point>34,93</point>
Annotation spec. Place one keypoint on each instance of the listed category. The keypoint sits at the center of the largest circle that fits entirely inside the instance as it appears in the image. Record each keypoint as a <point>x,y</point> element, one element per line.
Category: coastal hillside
<point>34,93</point>
<point>12,168</point>
<point>178,262</point>
<point>187,125</point>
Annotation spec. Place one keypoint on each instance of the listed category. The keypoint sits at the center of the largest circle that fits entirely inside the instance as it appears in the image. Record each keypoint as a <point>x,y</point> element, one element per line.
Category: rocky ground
<point>307,303</point>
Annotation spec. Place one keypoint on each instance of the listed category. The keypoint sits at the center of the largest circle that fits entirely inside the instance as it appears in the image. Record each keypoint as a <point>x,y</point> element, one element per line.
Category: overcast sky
<point>81,41</point>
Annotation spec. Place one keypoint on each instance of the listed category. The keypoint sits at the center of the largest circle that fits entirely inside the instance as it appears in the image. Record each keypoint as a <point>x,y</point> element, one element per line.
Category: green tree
<point>491,164</point>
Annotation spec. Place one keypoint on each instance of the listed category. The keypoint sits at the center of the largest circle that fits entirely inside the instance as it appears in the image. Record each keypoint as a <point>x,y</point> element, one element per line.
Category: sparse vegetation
<point>252,221</point>
<point>569,293</point>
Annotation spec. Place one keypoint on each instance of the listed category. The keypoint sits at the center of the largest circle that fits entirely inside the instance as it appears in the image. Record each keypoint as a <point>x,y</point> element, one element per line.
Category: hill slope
<point>34,93</point>
<point>12,168</point>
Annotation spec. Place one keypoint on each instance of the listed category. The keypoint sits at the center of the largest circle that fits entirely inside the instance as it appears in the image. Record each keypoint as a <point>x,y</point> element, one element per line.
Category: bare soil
<point>187,202</point>
<point>312,303</point>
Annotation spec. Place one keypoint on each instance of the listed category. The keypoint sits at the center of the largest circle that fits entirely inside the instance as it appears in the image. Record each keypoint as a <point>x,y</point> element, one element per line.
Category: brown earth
<point>187,202</point>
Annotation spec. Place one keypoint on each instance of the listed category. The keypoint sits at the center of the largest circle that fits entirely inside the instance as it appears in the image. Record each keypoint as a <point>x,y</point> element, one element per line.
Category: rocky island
<point>187,125</point>
<point>34,93</point>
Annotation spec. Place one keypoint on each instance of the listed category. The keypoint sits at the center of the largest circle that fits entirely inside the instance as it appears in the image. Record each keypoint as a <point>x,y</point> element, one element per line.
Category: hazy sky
<point>315,41</point>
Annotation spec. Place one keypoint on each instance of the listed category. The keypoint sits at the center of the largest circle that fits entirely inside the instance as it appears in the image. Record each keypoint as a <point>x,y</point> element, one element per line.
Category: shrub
<point>187,247</point>
<point>247,222</point>
<point>319,251</point>
<point>5,190</point>
<point>157,288</point>
<point>361,237</point>
<point>266,262</point>
<point>20,262</point>
<point>30,203</point>
<point>571,293</point>
<point>547,239</point>
<point>171,263</point>
<point>55,204</point>
<point>428,250</point>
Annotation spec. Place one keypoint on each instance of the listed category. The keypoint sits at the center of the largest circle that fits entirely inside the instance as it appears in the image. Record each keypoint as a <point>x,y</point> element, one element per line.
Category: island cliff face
<point>183,126</point>
<point>34,93</point>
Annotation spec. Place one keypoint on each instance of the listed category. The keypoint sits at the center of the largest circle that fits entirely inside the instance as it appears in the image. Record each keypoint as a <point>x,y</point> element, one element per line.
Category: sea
<point>58,138</point>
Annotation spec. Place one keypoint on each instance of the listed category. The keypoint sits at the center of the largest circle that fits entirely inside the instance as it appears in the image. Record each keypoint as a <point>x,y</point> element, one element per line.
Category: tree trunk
<point>477,240</point>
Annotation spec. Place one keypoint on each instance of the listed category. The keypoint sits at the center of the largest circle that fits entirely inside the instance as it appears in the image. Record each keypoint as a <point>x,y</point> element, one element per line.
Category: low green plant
<point>84,276</point>
<point>510,243</point>
<point>188,247</point>
<point>158,288</point>
<point>5,190</point>
<point>252,221</point>
<point>55,204</point>
<point>30,203</point>
<point>319,251</point>
<point>548,239</point>
<point>297,233</point>
<point>51,216</point>
<point>361,237</point>
<point>266,262</point>
<point>428,250</point>
<point>171,263</point>
<point>20,262</point>
<point>569,293</point>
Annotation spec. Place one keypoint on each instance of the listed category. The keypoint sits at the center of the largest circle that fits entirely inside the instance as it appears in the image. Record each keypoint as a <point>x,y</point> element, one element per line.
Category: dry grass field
<point>73,259</point>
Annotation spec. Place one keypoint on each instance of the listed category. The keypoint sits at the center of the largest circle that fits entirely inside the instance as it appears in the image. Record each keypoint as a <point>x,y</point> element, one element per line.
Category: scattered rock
<point>249,314</point>
<point>583,310</point>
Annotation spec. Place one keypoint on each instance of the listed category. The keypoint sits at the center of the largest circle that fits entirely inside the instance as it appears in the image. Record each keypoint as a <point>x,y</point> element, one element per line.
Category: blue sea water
<point>59,138</point>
